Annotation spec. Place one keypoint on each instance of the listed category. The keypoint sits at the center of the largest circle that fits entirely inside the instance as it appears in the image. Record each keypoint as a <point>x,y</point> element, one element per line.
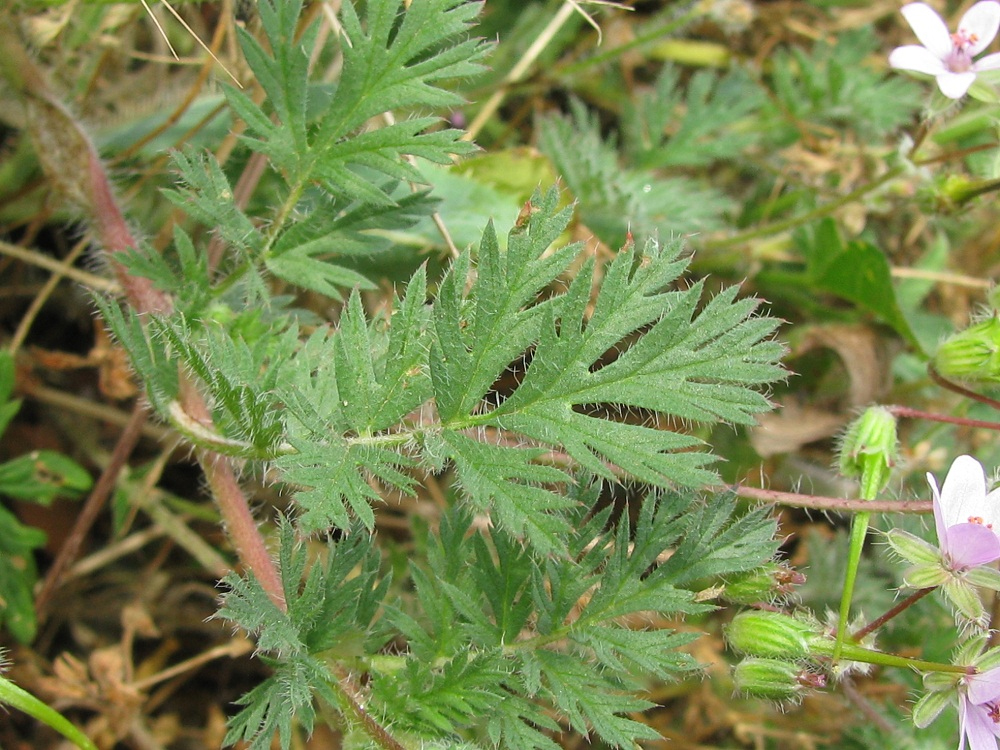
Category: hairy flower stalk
<point>868,452</point>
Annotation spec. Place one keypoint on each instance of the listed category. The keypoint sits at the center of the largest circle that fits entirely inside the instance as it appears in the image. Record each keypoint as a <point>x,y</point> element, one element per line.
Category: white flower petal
<point>929,28</point>
<point>981,20</point>
<point>955,85</point>
<point>917,58</point>
<point>964,492</point>
<point>990,62</point>
<point>991,507</point>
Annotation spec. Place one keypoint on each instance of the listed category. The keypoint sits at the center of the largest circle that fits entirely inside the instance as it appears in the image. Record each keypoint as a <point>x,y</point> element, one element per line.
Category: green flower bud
<point>972,354</point>
<point>983,577</point>
<point>929,706</point>
<point>935,682</point>
<point>769,634</point>
<point>773,679</point>
<point>969,651</point>
<point>987,661</point>
<point>869,450</point>
<point>966,600</point>
<point>767,583</point>
<point>912,548</point>
<point>926,576</point>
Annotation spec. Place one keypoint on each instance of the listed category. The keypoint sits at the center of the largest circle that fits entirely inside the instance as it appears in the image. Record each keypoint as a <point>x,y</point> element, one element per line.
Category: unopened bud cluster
<point>777,648</point>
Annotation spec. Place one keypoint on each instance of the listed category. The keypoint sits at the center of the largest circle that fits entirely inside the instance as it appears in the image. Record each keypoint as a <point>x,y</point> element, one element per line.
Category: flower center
<point>981,521</point>
<point>993,711</point>
<point>960,60</point>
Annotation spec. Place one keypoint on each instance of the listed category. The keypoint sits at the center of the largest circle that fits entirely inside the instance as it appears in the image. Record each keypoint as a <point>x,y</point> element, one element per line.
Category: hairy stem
<point>830,504</point>
<point>878,622</point>
<point>74,168</point>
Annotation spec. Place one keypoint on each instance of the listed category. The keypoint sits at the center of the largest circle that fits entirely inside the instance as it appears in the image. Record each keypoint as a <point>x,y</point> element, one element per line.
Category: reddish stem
<point>831,504</point>
<point>117,238</point>
<point>908,413</point>
<point>878,622</point>
<point>961,390</point>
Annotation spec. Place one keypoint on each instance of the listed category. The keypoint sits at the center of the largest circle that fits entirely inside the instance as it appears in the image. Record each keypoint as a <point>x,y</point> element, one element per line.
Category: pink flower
<point>967,519</point>
<point>979,711</point>
<point>949,57</point>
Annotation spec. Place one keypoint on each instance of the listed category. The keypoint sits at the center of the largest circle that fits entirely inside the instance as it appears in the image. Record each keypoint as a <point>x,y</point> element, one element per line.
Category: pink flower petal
<point>982,20</point>
<point>984,687</point>
<point>976,724</point>
<point>929,28</point>
<point>971,544</point>
<point>917,58</point>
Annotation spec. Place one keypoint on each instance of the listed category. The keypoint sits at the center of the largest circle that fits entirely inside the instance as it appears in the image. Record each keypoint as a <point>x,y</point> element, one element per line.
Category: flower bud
<point>987,661</point>
<point>966,601</point>
<point>773,679</point>
<point>928,707</point>
<point>983,577</point>
<point>912,548</point>
<point>869,450</point>
<point>926,576</point>
<point>764,584</point>
<point>769,634</point>
<point>972,354</point>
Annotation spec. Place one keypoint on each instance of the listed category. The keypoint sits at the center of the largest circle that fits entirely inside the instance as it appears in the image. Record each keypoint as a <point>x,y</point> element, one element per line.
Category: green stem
<point>21,699</point>
<point>853,652</point>
<point>859,529</point>
<point>796,221</point>
<point>873,478</point>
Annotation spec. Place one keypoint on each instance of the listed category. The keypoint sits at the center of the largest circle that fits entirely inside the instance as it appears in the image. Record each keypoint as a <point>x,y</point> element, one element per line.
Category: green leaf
<point>592,702</point>
<point>152,362</point>
<point>283,74</point>
<point>479,332</point>
<point>18,576</point>
<point>343,392</point>
<point>856,271</point>
<point>615,200</point>
<point>506,483</point>
<point>332,478</point>
<point>237,375</point>
<point>695,366</point>
<point>394,61</point>
<point>41,476</point>
<point>813,86</point>
<point>8,377</point>
<point>208,198</point>
<point>436,699</point>
<point>333,229</point>
<point>714,543</point>
<point>696,127</point>
<point>298,266</point>
<point>326,612</point>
